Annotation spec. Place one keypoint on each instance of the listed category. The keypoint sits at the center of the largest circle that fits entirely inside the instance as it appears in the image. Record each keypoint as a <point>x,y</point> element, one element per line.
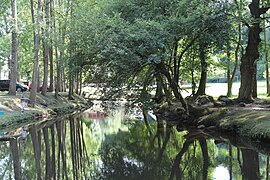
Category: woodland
<point>143,51</point>
<point>138,46</point>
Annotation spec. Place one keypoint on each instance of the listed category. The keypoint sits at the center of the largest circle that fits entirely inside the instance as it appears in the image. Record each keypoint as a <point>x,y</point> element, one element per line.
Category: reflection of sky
<point>221,173</point>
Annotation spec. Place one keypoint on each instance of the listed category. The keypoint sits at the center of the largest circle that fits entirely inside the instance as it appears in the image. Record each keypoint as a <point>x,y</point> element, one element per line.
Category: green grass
<point>251,123</point>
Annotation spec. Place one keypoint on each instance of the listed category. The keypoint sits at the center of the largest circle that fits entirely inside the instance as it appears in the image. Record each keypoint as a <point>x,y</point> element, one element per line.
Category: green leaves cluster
<point>116,40</point>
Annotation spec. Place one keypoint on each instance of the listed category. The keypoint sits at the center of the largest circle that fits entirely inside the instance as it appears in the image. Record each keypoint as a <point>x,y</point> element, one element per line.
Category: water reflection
<point>79,147</point>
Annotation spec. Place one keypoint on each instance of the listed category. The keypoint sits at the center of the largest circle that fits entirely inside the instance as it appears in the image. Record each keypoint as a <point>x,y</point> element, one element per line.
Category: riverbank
<point>252,120</point>
<point>10,108</point>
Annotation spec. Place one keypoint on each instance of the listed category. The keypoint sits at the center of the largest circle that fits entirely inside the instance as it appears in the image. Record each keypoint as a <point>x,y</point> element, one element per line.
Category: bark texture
<point>249,60</point>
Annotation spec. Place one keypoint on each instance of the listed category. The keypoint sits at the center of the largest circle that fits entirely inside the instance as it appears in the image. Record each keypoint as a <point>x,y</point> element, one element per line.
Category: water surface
<point>94,146</point>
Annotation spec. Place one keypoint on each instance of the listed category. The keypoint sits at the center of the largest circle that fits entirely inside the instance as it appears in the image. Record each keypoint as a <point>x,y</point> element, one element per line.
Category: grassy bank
<point>254,123</point>
<point>10,108</point>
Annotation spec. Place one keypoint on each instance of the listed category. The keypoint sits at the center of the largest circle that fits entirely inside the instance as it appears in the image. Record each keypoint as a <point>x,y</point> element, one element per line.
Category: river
<point>93,145</point>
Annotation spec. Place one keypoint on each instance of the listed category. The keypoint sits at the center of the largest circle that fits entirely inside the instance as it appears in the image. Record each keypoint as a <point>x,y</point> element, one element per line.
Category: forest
<point>138,46</point>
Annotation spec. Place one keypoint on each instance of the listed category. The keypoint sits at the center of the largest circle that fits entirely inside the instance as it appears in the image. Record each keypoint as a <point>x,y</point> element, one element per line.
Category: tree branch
<point>263,10</point>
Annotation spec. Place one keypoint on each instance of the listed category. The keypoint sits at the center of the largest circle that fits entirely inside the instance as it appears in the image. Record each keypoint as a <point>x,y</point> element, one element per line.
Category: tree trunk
<point>202,84</point>
<point>250,170</point>
<point>173,85</point>
<point>236,52</point>
<point>159,93</point>
<point>52,24</point>
<point>229,82</point>
<point>251,55</point>
<point>36,51</point>
<point>206,161</point>
<point>230,162</point>
<point>16,160</point>
<point>53,159</point>
<point>267,168</point>
<point>14,56</point>
<point>176,163</point>
<point>266,59</point>
<point>48,172</point>
<point>254,88</point>
<point>45,48</point>
<point>37,151</point>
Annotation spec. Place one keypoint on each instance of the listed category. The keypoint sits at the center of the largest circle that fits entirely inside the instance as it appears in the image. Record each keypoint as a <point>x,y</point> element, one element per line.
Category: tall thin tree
<point>45,38</point>
<point>14,58</point>
<point>36,24</point>
<point>51,87</point>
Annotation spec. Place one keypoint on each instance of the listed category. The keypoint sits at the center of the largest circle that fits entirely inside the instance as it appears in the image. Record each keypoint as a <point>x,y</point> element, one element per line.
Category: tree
<point>14,59</point>
<point>248,61</point>
<point>36,24</point>
<point>235,44</point>
<point>45,40</point>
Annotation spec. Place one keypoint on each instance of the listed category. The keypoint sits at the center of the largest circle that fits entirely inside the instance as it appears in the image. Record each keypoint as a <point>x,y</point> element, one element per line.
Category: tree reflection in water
<point>115,148</point>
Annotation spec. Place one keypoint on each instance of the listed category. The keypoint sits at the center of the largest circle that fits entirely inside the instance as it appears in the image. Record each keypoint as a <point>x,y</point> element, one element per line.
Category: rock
<point>226,100</point>
<point>205,99</point>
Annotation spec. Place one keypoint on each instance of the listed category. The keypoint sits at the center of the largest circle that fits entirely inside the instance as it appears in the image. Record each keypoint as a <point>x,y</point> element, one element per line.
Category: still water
<point>91,146</point>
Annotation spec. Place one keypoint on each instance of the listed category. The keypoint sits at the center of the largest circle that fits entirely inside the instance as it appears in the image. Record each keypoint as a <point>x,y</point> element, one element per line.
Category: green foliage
<point>117,42</point>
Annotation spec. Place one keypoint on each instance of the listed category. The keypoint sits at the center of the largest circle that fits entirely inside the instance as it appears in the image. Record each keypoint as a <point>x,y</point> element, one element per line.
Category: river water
<point>91,145</point>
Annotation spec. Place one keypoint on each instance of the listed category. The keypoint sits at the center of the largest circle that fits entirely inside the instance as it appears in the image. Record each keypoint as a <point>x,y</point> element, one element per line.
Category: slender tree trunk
<point>202,84</point>
<point>57,85</point>
<point>159,93</point>
<point>230,162</point>
<point>236,54</point>
<point>63,150</point>
<point>86,161</point>
<point>48,172</point>
<point>175,66</point>
<point>193,82</point>
<point>52,26</point>
<point>53,163</point>
<point>206,161</point>
<point>229,82</point>
<point>14,55</point>
<point>71,86</point>
<point>81,81</point>
<point>45,38</point>
<point>36,147</point>
<point>77,81</point>
<point>266,58</point>
<point>36,51</point>
<point>73,142</point>
<point>267,168</point>
<point>16,160</point>
<point>59,137</point>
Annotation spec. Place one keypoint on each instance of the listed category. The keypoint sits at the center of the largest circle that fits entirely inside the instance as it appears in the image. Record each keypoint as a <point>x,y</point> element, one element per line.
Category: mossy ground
<point>254,123</point>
